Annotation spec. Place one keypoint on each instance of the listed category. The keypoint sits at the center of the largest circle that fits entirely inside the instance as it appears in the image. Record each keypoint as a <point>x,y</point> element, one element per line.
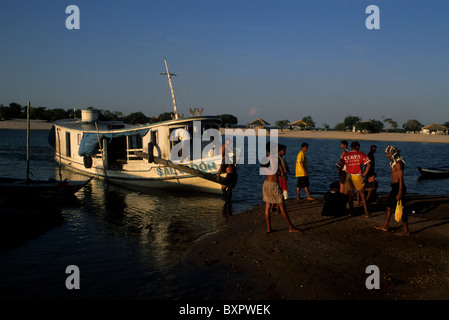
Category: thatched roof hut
<point>258,123</point>
<point>298,123</point>
<point>435,128</point>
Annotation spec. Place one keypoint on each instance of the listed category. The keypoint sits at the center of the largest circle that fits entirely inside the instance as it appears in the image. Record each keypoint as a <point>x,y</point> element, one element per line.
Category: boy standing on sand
<point>284,170</point>
<point>342,173</point>
<point>398,188</point>
<point>272,193</point>
<point>301,171</point>
<point>354,161</point>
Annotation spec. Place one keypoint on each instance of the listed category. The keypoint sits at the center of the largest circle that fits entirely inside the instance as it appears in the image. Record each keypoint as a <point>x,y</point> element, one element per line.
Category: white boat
<point>140,156</point>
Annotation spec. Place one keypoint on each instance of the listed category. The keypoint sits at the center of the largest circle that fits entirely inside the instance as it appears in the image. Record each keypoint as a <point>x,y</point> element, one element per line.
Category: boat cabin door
<point>67,145</point>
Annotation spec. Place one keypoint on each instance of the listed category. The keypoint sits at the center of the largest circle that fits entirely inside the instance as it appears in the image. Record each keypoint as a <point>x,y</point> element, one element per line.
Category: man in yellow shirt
<point>301,171</point>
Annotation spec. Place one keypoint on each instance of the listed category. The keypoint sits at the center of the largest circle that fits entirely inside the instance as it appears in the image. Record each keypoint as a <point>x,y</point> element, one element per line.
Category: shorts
<point>272,193</point>
<point>303,182</point>
<point>230,180</point>
<point>391,201</point>
<point>354,182</point>
<point>282,183</point>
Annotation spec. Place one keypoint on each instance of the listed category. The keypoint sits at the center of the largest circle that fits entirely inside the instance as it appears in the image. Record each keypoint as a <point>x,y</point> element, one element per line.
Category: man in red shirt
<point>354,161</point>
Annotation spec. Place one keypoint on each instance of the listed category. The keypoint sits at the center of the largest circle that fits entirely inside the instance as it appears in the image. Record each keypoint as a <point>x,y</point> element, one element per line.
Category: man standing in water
<point>354,161</point>
<point>271,191</point>
<point>398,189</point>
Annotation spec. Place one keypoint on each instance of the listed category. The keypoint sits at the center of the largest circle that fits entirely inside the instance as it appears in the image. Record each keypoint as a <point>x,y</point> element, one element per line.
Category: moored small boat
<point>434,173</point>
<point>16,187</point>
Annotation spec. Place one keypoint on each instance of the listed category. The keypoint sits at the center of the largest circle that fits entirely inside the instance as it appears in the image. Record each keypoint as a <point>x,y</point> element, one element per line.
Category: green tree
<point>391,122</point>
<point>282,124</point>
<point>16,111</point>
<point>165,116</point>
<point>38,113</point>
<point>228,120</point>
<point>351,121</point>
<point>309,121</point>
<point>373,126</point>
<point>4,112</point>
<point>136,118</point>
<point>340,127</point>
<point>412,125</point>
<point>57,114</point>
<point>106,115</point>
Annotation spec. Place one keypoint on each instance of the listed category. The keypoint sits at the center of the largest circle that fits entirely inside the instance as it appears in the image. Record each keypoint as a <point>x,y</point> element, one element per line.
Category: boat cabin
<point>114,145</point>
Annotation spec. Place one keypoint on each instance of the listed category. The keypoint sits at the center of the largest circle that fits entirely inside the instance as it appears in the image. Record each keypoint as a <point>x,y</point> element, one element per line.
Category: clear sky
<point>278,60</point>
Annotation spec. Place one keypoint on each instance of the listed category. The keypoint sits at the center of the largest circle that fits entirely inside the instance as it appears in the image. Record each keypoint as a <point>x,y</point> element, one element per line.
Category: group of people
<point>356,172</point>
<point>275,185</point>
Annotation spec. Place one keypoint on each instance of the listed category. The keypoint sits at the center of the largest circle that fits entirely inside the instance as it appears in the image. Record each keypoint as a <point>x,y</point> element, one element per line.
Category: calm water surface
<point>127,244</point>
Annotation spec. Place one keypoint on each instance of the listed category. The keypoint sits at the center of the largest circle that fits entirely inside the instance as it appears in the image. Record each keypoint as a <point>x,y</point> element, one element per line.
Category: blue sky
<point>271,59</point>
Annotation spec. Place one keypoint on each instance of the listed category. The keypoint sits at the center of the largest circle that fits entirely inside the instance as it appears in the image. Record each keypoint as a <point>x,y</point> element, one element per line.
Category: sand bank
<point>351,136</point>
<point>21,124</point>
<point>329,257</point>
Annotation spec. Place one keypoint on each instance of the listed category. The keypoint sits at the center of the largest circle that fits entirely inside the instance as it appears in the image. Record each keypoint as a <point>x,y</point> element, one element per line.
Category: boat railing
<point>131,154</point>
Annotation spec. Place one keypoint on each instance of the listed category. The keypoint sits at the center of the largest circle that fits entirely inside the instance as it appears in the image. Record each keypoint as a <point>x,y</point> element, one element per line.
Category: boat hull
<point>147,178</point>
<point>433,173</point>
<point>19,187</point>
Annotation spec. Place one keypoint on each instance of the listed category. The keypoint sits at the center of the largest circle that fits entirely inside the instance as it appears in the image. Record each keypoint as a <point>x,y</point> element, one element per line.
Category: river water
<point>127,244</point>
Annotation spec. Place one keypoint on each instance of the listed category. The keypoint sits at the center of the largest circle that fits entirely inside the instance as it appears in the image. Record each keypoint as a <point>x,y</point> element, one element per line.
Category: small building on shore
<point>258,123</point>
<point>297,125</point>
<point>435,128</point>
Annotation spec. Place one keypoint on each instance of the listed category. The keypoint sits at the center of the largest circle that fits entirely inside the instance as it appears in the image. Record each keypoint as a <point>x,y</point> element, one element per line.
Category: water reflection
<point>160,222</point>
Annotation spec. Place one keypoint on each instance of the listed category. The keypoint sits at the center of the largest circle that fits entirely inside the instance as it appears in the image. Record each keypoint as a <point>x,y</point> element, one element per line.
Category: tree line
<point>17,111</point>
<point>351,123</point>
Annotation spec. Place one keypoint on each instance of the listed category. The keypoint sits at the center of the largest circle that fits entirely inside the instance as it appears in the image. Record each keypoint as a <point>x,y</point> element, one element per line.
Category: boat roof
<point>118,126</point>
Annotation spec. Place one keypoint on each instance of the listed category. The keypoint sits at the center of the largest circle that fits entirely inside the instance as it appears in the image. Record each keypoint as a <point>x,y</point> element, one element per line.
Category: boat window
<point>79,138</point>
<point>135,142</point>
<point>67,144</point>
<point>182,136</point>
<point>154,138</point>
<point>207,126</point>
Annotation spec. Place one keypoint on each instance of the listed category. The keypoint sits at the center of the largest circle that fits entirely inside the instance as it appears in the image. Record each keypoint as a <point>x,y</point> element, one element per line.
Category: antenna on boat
<point>168,74</point>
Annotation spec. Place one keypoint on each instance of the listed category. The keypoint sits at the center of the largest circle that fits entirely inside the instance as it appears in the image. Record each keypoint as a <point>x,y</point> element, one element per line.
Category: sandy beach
<point>21,124</point>
<point>351,136</point>
<point>327,260</point>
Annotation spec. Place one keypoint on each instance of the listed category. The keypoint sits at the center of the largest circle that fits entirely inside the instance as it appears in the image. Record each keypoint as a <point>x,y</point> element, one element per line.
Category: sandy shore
<point>329,257</point>
<point>21,124</point>
<point>351,136</point>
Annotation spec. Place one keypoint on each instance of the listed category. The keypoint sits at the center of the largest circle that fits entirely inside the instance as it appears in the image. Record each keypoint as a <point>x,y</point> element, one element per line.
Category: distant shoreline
<point>21,124</point>
<point>352,136</point>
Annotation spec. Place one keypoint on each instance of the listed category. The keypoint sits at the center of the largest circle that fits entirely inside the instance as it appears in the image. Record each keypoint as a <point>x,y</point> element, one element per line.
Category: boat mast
<point>171,87</point>
<point>28,142</point>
